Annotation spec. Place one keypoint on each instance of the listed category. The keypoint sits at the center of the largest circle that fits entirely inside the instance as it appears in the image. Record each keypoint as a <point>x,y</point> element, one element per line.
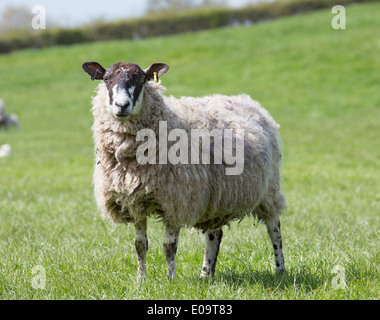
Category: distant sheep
<point>5,151</point>
<point>132,118</point>
<point>7,120</point>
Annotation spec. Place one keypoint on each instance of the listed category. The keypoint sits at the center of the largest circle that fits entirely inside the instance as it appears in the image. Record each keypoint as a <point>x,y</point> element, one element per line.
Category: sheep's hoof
<point>280,271</point>
<point>206,275</point>
<point>141,276</point>
<point>171,278</point>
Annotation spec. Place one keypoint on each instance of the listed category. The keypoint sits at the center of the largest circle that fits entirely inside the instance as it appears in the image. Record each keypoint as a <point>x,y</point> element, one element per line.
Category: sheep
<point>131,115</point>
<point>7,120</point>
<point>5,151</point>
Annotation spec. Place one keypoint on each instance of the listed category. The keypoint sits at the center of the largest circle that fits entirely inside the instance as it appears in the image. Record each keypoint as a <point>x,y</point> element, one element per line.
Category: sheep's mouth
<point>122,117</point>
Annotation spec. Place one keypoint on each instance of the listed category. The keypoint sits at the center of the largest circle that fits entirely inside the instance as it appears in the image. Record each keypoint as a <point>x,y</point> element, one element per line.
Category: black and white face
<point>125,83</point>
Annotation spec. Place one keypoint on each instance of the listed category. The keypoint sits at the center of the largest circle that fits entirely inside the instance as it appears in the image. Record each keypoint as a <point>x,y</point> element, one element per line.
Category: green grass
<point>320,84</point>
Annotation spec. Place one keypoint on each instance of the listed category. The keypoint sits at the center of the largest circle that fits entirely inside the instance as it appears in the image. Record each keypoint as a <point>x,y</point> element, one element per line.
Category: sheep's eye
<point>142,79</point>
<point>106,78</point>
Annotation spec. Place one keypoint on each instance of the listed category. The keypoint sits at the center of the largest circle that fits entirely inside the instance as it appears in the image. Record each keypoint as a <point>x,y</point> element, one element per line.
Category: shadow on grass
<point>300,278</point>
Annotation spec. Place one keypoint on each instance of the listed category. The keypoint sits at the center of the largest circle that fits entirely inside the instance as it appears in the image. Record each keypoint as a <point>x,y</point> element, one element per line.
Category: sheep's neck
<point>152,112</point>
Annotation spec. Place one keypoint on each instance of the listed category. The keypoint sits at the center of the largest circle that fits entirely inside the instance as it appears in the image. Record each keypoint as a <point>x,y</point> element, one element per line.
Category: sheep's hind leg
<point>141,244</point>
<point>274,232</point>
<point>170,249</point>
<point>213,239</point>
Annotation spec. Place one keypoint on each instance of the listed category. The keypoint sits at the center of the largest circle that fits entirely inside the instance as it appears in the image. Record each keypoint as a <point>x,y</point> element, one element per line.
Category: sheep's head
<point>125,83</point>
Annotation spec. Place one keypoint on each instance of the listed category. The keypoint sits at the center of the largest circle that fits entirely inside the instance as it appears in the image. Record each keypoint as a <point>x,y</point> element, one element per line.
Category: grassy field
<point>320,84</point>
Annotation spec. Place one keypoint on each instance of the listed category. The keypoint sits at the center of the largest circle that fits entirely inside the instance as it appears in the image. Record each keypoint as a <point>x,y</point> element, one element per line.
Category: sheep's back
<point>234,196</point>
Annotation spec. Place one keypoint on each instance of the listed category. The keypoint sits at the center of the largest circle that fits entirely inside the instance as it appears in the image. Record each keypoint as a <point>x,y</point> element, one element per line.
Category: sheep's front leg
<point>141,244</point>
<point>213,239</point>
<point>274,232</point>
<point>170,249</point>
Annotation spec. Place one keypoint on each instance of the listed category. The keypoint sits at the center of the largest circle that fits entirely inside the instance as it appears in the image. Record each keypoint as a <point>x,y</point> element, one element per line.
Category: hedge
<point>164,24</point>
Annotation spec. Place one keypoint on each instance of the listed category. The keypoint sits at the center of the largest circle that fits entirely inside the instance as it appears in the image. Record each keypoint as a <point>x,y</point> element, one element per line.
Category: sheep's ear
<point>94,69</point>
<point>160,68</point>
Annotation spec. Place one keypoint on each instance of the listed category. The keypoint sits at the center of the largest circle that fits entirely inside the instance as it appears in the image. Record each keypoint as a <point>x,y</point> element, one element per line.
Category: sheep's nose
<point>123,106</point>
<point>122,109</point>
